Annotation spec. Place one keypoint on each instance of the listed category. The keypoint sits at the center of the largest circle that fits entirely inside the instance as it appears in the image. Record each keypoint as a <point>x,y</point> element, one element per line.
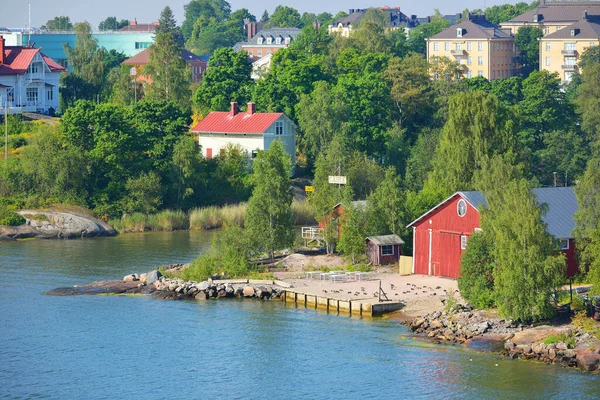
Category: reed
<point>216,217</point>
<point>303,213</point>
<point>167,220</point>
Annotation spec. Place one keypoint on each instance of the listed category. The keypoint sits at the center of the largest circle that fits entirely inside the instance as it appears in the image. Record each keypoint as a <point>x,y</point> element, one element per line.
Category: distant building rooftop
<point>135,27</point>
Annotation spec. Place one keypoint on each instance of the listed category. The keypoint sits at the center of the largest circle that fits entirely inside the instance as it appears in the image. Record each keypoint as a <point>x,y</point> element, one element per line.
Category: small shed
<point>382,250</point>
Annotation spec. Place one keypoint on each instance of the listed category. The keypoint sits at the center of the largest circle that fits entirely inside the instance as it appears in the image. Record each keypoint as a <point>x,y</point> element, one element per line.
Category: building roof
<point>274,33</point>
<point>143,57</point>
<point>558,11</point>
<point>135,27</point>
<point>474,29</point>
<point>584,29</point>
<point>397,19</point>
<point>18,58</point>
<point>385,240</point>
<point>242,122</point>
<point>559,217</point>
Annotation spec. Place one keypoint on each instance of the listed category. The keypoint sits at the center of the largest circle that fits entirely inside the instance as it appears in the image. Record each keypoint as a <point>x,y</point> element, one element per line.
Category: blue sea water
<point>135,347</point>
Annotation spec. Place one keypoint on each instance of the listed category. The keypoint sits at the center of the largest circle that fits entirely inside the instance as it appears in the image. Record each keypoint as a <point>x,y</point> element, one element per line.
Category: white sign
<point>337,180</point>
<point>132,71</point>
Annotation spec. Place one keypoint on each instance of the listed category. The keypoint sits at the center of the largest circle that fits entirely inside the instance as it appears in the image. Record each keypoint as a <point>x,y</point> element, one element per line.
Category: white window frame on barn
<point>385,250</point>
<point>564,244</point>
<point>463,242</point>
<point>461,208</point>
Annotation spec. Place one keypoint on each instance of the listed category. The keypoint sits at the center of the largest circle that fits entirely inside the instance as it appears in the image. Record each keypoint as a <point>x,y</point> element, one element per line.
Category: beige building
<point>479,47</point>
<point>560,51</point>
<point>553,15</point>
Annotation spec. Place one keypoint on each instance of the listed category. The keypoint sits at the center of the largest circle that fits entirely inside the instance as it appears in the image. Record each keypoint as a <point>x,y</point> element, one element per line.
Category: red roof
<point>225,122</point>
<point>18,58</point>
<point>143,58</point>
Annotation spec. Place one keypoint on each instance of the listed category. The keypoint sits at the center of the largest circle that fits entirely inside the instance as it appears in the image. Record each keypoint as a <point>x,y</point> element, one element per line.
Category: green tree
<point>589,57</point>
<point>284,17</point>
<point>62,23</point>
<point>226,80</point>
<point>587,223</point>
<point>588,101</point>
<point>529,266</point>
<point>504,12</point>
<point>420,33</point>
<point>210,34</point>
<point>190,182</point>
<point>527,40</point>
<point>169,72</point>
<point>217,9</point>
<point>385,207</point>
<point>352,238</point>
<point>477,265</point>
<point>269,215</point>
<point>329,162</point>
<point>265,17</point>
<point>143,194</point>
<point>112,24</point>
<point>419,162</point>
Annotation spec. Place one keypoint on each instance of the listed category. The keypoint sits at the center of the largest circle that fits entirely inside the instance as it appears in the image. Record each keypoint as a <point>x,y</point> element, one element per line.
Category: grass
<point>166,220</point>
<point>303,213</point>
<point>569,340</point>
<point>36,217</point>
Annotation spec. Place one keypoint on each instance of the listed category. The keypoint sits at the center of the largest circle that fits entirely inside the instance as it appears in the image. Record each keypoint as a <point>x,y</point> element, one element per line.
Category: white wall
<point>218,142</point>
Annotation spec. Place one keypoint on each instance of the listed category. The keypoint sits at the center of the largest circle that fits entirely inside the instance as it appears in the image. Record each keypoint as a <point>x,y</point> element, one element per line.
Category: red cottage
<point>440,236</point>
<point>383,250</point>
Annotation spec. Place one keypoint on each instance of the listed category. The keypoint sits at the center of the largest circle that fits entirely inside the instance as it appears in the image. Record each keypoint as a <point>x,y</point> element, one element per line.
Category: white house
<point>28,79</point>
<point>250,130</point>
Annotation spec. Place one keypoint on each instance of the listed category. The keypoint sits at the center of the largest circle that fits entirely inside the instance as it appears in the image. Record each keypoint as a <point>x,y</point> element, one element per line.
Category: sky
<point>94,11</point>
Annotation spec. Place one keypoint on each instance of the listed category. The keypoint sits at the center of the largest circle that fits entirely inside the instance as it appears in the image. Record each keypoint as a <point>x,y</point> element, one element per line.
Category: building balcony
<point>568,52</point>
<point>569,67</point>
<point>458,52</point>
<point>462,67</point>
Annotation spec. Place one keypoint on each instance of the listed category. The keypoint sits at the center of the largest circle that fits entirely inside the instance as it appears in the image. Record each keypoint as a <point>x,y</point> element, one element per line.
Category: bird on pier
<point>438,287</point>
<point>324,291</point>
<point>392,286</point>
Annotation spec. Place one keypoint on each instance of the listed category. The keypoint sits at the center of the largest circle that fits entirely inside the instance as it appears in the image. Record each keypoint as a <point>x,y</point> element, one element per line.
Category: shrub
<point>476,281</point>
<point>201,268</point>
<point>569,340</point>
<point>11,218</point>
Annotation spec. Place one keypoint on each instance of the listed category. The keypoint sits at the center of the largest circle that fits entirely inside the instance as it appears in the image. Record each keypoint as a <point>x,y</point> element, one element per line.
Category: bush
<point>476,281</point>
<point>201,268</point>
<point>569,340</point>
<point>11,218</point>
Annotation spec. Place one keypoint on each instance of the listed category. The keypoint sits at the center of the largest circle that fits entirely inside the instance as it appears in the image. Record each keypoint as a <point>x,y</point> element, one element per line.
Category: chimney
<point>234,109</point>
<point>2,45</point>
<point>133,23</point>
<point>585,15</point>
<point>251,108</point>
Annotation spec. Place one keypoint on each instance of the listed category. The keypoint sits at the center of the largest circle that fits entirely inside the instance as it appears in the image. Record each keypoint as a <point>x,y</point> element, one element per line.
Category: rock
<point>212,293</point>
<point>131,278</point>
<point>230,290</point>
<point>551,354</point>
<point>482,327</point>
<point>262,292</point>
<point>221,293</point>
<point>588,361</point>
<point>153,276</point>
<point>248,291</point>
<point>203,285</point>
<point>508,345</point>
<point>561,346</point>
<point>417,323</point>
<point>200,295</point>
<point>436,324</point>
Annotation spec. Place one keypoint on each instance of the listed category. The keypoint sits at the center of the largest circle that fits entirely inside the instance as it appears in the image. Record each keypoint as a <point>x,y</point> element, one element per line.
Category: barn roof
<point>385,240</point>
<point>559,218</point>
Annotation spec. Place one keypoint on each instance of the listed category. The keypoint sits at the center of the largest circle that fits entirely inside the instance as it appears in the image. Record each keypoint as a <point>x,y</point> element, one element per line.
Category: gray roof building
<point>584,29</point>
<point>477,27</point>
<point>558,11</point>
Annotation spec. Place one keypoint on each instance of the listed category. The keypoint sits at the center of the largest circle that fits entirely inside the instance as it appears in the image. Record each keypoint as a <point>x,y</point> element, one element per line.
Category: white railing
<point>313,233</point>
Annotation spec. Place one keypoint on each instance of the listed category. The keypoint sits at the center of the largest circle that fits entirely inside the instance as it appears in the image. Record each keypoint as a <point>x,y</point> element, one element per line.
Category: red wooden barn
<point>383,250</point>
<point>440,236</point>
<point>336,215</point>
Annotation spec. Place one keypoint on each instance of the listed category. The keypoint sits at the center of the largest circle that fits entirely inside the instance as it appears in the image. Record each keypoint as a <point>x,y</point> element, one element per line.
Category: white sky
<point>14,13</point>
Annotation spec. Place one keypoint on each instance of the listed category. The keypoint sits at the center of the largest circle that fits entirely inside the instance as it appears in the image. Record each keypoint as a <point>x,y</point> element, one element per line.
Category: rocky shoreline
<point>156,285</point>
<point>470,327</point>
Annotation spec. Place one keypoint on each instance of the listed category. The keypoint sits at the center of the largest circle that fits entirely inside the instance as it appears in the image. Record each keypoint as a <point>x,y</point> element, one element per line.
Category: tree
<point>190,183</point>
<point>320,117</point>
<point>502,13</point>
<point>529,265</point>
<point>419,163</point>
<point>218,9</point>
<point>527,40</point>
<point>587,223</point>
<point>226,80</point>
<point>588,101</point>
<point>269,215</point>
<point>210,34</point>
<point>112,24</point>
<point>62,23</point>
<point>589,57</point>
<point>169,72</point>
<point>143,194</point>
<point>420,33</point>
<point>265,17</point>
<point>477,265</point>
<point>385,207</point>
<point>352,238</point>
<point>284,17</point>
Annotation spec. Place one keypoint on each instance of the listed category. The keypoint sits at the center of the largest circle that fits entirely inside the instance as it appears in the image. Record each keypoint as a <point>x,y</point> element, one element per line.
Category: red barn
<point>383,250</point>
<point>336,215</point>
<point>440,236</point>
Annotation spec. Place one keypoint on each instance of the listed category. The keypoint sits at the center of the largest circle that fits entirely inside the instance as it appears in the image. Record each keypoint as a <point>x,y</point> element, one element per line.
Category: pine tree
<point>265,17</point>
<point>269,217</point>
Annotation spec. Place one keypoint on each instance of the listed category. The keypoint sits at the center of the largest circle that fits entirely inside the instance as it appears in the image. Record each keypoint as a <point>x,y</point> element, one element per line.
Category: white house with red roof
<point>28,79</point>
<point>250,130</point>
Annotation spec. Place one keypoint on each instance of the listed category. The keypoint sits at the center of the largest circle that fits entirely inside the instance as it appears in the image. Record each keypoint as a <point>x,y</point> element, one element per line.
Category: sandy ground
<point>422,294</point>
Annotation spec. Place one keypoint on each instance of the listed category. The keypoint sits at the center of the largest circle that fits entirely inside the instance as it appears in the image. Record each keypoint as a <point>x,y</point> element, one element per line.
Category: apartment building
<point>479,47</point>
<point>553,15</point>
<point>560,51</point>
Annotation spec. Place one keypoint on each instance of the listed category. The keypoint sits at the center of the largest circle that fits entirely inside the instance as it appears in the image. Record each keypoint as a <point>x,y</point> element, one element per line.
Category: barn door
<point>450,253</point>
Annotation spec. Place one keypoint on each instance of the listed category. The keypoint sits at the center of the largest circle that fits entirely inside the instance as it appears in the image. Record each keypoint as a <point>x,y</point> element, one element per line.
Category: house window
<point>436,46</point>
<point>32,96</point>
<point>461,208</point>
<point>469,60</point>
<point>592,44</point>
<point>570,60</point>
<point>254,153</point>
<point>269,40</point>
<point>479,73</point>
<point>436,60</point>
<point>278,40</point>
<point>480,46</point>
<point>447,46</point>
<point>564,244</point>
<point>259,40</point>
<point>569,76</point>
<point>259,53</point>
<point>458,46</point>
<point>469,74</point>
<point>49,95</point>
<point>387,250</point>
<point>436,75</point>
<point>288,40</point>
<point>268,51</point>
<point>547,61</point>
<point>479,60</point>
<point>10,96</point>
<point>33,68</point>
<point>279,128</point>
<point>463,242</point>
<point>548,47</point>
<point>571,46</point>
<point>469,46</point>
<point>547,30</point>
<point>250,53</point>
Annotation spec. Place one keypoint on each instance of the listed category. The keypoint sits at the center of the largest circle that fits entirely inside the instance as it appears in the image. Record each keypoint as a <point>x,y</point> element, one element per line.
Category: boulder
<point>200,296</point>
<point>262,292</point>
<point>561,346</point>
<point>203,285</point>
<point>248,291</point>
<point>131,278</point>
<point>588,361</point>
<point>482,327</point>
<point>436,324</point>
<point>153,276</point>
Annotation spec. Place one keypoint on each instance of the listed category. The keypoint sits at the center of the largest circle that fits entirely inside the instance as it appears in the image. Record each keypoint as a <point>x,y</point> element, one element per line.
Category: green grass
<point>569,340</point>
<point>303,213</point>
<point>166,220</point>
<point>216,217</point>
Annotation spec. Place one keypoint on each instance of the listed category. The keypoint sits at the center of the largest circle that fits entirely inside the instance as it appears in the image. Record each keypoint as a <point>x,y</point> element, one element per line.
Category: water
<point>98,347</point>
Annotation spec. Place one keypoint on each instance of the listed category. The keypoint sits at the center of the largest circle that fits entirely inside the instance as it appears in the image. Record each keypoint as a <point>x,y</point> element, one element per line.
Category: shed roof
<point>559,218</point>
<point>385,240</point>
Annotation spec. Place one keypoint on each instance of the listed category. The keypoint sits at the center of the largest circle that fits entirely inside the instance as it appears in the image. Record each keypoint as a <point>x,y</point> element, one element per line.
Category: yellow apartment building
<point>553,15</point>
<point>479,47</point>
<point>560,51</point>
